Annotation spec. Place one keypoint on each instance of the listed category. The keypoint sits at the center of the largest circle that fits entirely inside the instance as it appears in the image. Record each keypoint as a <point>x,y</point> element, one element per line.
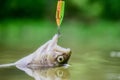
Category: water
<point>95,65</point>
<point>95,50</point>
<point>82,71</point>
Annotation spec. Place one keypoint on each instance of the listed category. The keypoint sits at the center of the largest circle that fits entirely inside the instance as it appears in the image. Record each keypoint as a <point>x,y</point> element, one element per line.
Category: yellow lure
<point>60,12</point>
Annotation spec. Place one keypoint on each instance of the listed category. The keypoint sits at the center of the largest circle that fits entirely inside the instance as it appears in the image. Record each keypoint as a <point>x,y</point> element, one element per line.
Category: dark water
<point>96,65</point>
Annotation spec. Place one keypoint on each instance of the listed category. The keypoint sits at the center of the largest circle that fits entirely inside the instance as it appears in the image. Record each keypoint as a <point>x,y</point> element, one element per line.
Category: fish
<point>49,54</point>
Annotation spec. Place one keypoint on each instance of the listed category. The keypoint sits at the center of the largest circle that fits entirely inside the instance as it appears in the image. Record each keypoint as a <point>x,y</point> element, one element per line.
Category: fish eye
<point>60,59</point>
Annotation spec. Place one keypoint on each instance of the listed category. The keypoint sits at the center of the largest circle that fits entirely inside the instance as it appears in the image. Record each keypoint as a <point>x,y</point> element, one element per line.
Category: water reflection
<point>83,71</point>
<point>58,73</point>
<point>93,66</point>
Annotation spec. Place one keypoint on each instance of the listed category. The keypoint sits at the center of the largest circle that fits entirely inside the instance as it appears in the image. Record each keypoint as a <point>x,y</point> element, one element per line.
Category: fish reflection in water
<point>56,73</point>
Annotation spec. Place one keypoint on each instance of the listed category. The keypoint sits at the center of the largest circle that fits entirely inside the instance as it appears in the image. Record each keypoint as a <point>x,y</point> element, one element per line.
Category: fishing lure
<point>60,13</point>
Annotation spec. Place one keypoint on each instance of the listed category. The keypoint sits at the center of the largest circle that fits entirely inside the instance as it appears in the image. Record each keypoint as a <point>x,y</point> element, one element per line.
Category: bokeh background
<point>91,28</point>
<point>88,25</point>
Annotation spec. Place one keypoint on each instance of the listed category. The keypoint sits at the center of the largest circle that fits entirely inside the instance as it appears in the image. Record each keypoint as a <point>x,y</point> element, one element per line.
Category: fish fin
<point>53,43</point>
<point>7,65</point>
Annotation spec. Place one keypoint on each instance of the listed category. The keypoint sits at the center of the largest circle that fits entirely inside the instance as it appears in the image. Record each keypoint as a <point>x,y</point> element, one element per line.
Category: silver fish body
<point>47,55</point>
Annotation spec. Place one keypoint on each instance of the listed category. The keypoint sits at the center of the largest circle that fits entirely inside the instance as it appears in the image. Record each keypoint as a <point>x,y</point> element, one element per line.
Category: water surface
<point>95,65</point>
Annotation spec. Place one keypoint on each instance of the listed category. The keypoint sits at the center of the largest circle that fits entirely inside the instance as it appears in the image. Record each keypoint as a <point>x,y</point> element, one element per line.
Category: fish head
<point>57,55</point>
<point>51,54</point>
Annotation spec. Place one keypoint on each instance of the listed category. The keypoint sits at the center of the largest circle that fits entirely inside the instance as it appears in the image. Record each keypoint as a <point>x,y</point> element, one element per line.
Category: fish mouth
<point>66,65</point>
<point>67,57</point>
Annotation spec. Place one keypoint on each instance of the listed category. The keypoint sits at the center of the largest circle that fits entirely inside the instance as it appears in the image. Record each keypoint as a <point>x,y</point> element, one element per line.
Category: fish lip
<point>68,52</point>
<point>69,55</point>
<point>66,61</point>
<point>66,65</point>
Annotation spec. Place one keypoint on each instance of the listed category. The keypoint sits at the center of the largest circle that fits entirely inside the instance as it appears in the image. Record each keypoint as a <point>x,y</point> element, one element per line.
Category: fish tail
<point>7,65</point>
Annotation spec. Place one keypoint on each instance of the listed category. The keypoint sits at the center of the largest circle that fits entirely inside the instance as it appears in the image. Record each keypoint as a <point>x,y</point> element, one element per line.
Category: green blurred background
<point>91,28</point>
<point>88,25</point>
